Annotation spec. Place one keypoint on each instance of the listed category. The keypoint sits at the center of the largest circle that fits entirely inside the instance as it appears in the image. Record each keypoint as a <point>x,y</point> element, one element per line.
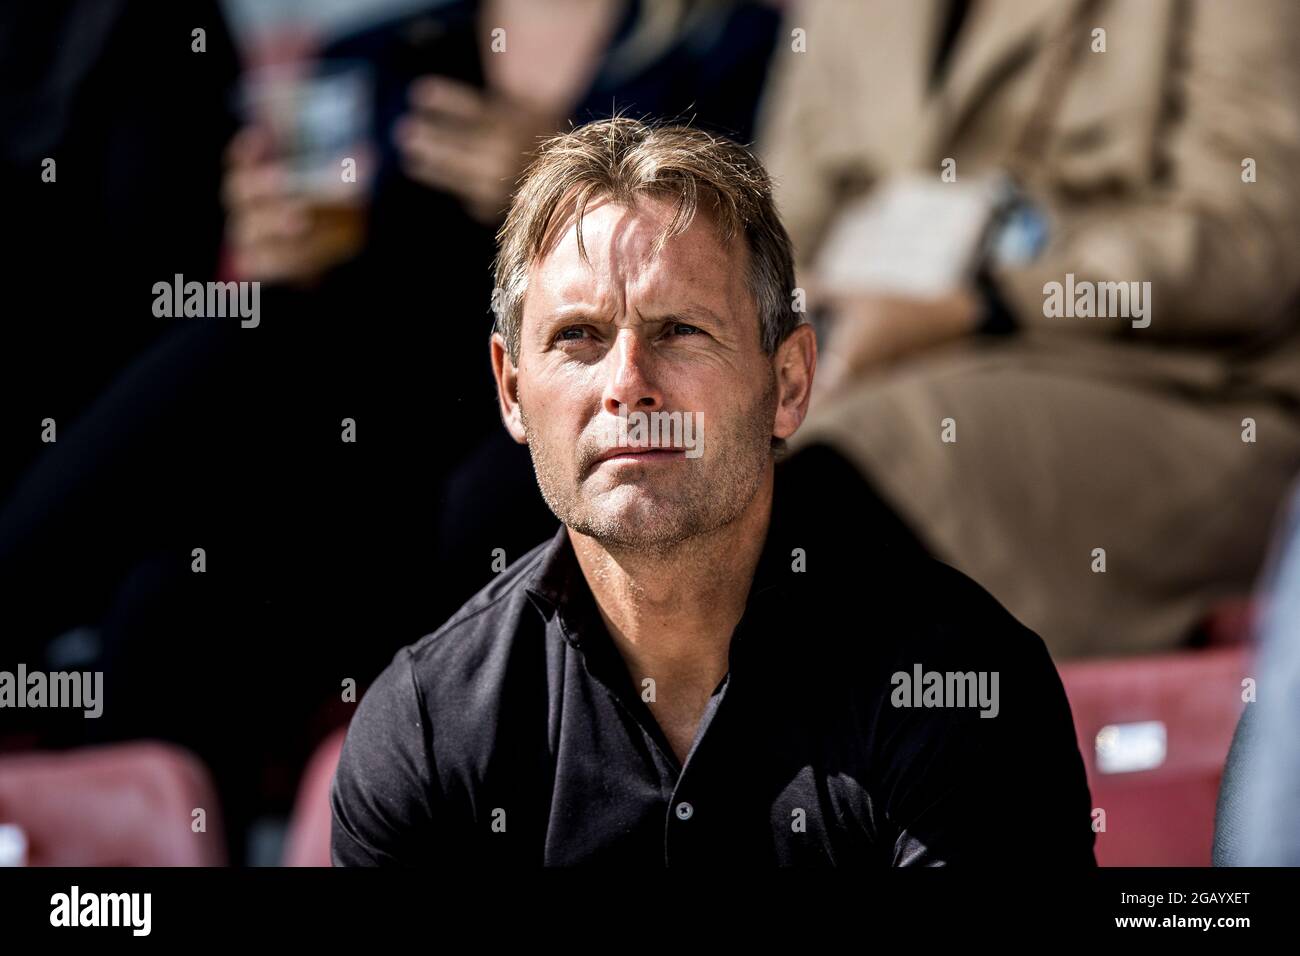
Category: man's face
<point>676,332</point>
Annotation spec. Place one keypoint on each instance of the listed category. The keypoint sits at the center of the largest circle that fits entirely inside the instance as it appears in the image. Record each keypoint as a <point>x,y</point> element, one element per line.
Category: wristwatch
<point>995,317</point>
<point>1018,237</point>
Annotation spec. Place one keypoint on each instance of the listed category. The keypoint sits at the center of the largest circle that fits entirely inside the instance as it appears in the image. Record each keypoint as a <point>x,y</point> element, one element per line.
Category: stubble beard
<point>650,515</point>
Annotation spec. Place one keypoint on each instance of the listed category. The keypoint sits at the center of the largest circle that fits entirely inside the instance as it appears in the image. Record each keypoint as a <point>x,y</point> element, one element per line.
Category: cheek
<point>560,400</point>
<point>725,392</point>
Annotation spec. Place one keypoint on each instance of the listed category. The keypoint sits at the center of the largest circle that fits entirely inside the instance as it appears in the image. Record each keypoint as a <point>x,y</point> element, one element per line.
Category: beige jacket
<point>1077,434</point>
<point>1140,170</point>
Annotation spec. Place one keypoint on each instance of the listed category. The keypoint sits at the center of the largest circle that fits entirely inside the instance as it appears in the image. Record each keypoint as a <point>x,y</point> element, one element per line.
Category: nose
<point>631,379</point>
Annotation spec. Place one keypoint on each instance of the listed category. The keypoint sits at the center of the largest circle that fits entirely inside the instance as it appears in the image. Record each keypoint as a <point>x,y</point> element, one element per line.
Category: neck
<point>673,613</point>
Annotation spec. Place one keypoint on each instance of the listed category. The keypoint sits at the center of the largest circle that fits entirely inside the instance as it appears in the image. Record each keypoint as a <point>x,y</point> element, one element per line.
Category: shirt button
<point>684,810</point>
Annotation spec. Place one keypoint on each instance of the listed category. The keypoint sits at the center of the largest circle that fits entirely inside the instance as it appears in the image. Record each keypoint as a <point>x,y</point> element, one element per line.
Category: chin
<point>631,507</point>
<point>635,520</point>
<point>612,498</point>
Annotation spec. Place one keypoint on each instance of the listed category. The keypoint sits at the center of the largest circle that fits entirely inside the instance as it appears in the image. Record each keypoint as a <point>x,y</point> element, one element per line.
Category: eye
<point>573,333</point>
<point>681,328</point>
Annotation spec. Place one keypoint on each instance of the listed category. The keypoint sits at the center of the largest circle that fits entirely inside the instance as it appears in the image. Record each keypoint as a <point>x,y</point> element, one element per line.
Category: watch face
<point>1022,237</point>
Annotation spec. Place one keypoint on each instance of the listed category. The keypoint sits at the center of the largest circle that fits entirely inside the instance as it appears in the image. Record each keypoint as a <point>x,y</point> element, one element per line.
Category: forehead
<point>622,263</point>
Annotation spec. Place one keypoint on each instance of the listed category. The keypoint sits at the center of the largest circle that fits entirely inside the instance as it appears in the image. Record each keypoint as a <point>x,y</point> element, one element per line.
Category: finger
<point>413,130</point>
<point>452,99</point>
<point>279,222</point>
<point>243,187</point>
<point>472,189</point>
<point>272,262</point>
<point>252,144</point>
<point>487,213</point>
<point>434,176</point>
<point>454,159</point>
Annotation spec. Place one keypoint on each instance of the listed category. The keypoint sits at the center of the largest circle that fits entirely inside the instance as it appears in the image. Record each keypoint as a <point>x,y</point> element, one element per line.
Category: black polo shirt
<point>515,735</point>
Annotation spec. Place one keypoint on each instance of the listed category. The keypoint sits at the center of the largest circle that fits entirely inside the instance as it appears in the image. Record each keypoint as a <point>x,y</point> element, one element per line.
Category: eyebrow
<point>575,313</point>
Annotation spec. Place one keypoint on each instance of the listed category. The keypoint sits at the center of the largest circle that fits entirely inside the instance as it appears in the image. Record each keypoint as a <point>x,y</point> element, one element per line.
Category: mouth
<point>640,455</point>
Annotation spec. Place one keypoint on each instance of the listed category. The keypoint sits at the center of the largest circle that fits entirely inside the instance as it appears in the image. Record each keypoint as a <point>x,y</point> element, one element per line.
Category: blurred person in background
<point>110,179</point>
<point>463,91</point>
<point>1107,476</point>
<point>197,433</point>
<point>113,115</point>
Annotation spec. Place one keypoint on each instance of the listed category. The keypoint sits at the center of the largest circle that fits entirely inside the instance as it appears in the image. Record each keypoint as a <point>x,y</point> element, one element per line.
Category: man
<point>709,662</point>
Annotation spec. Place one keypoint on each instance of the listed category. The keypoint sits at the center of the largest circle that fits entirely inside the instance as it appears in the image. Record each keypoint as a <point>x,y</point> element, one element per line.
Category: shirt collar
<point>556,577</point>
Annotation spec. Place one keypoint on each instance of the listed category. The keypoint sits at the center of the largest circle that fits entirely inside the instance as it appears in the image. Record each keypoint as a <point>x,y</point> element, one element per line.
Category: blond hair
<point>622,159</point>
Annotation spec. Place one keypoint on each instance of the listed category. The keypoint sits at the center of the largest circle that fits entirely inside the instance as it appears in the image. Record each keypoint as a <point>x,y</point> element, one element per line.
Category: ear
<point>795,363</point>
<point>507,377</point>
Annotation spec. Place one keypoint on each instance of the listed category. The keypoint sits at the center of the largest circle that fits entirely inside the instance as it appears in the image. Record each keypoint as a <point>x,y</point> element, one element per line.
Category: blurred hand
<point>469,143</point>
<point>871,331</point>
<point>273,235</point>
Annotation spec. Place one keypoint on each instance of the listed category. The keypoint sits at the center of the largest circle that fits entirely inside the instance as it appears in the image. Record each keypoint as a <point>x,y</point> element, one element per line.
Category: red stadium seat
<point>117,805</point>
<point>1230,622</point>
<point>1154,732</point>
<point>308,842</point>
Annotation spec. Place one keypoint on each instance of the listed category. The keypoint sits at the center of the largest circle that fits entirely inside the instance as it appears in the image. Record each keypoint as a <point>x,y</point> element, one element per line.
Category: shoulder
<point>455,681</point>
<point>971,730</point>
<point>422,719</point>
<point>898,605</point>
<point>484,624</point>
<point>458,660</point>
<point>928,633</point>
<point>935,609</point>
